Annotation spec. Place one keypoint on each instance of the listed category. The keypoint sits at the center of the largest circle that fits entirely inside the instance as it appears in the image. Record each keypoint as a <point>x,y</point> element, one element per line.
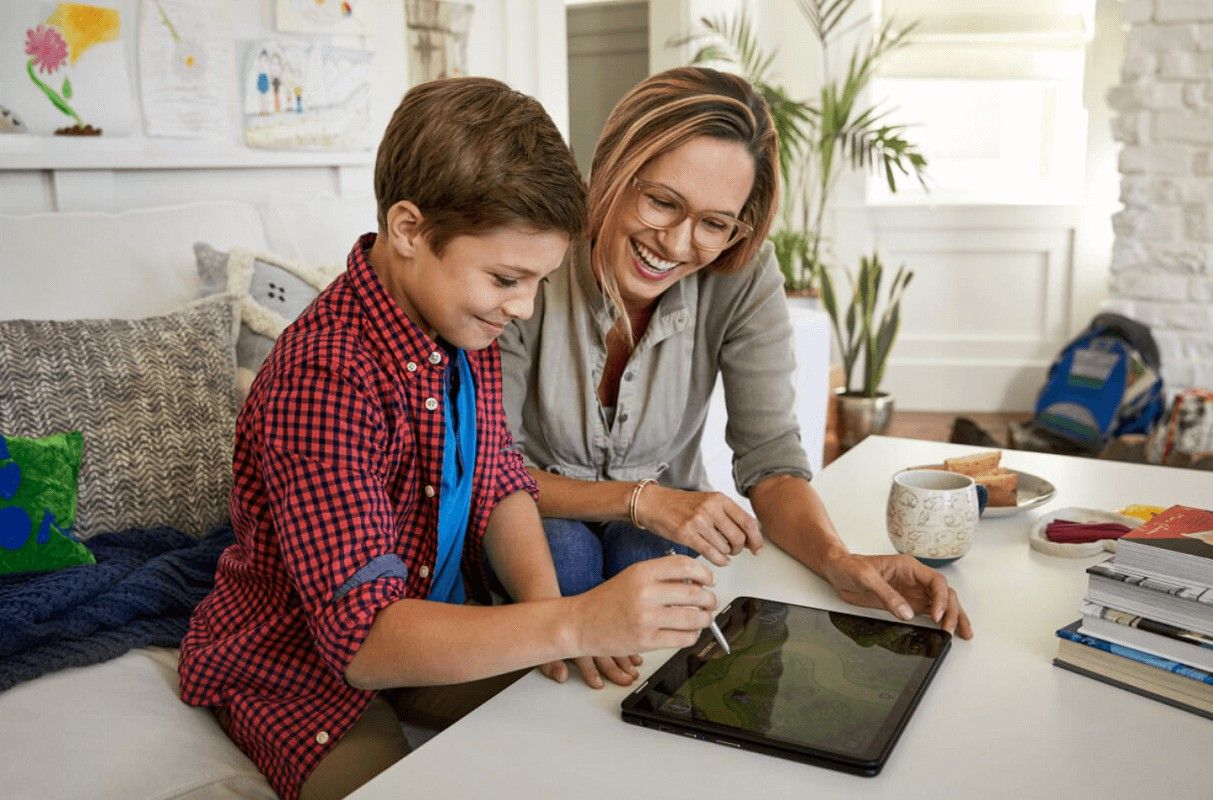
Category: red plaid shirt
<point>338,457</point>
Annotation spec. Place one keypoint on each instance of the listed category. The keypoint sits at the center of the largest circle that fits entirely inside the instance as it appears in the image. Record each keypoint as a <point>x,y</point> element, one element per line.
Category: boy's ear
<point>404,228</point>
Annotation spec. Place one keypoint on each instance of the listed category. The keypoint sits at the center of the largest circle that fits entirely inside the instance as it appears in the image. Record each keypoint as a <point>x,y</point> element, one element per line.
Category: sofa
<point>117,729</point>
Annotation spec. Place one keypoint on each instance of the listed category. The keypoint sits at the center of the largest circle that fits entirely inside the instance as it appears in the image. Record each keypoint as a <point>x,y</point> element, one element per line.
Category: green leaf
<point>67,88</point>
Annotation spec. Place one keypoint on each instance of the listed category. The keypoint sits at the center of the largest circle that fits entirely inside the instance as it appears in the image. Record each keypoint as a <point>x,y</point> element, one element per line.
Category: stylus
<point>714,628</point>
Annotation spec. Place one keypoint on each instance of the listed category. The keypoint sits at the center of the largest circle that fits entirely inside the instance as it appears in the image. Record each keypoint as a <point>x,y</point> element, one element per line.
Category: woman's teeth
<point>650,258</point>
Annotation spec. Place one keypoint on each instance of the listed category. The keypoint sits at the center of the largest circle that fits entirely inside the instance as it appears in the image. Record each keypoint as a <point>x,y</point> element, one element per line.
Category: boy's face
<point>479,284</point>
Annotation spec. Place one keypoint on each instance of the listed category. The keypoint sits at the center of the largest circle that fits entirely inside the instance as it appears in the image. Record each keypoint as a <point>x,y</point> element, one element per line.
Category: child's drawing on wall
<point>63,66</point>
<point>186,69</point>
<point>324,16</point>
<point>335,81</point>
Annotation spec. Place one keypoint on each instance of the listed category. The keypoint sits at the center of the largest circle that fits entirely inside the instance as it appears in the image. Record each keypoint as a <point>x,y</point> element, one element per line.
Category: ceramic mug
<point>932,515</point>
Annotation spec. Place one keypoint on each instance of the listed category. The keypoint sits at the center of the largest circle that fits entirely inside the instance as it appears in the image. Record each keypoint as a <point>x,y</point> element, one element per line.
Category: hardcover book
<point>1131,630</point>
<point>1177,542</point>
<point>1179,604</point>
<point>1071,633</point>
<point>1079,656</point>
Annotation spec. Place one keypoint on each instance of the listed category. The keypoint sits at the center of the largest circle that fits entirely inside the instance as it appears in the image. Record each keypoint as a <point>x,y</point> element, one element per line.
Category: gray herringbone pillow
<point>155,400</point>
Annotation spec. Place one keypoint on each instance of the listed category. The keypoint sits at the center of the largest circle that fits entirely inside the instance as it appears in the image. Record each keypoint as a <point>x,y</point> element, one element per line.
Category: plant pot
<point>860,416</point>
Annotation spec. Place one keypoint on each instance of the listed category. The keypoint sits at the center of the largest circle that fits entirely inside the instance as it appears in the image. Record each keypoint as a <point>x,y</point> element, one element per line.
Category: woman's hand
<point>901,585</point>
<point>619,670</point>
<point>709,523</point>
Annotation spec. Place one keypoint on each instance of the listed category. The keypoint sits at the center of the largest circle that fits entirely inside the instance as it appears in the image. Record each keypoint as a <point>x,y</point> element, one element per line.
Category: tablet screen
<point>817,680</point>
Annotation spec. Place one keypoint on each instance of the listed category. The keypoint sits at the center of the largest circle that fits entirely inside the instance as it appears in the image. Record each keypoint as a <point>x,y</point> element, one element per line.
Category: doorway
<point>608,51</point>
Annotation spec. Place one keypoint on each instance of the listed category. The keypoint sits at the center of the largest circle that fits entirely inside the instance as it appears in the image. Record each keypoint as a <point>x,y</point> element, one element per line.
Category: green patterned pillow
<point>38,503</point>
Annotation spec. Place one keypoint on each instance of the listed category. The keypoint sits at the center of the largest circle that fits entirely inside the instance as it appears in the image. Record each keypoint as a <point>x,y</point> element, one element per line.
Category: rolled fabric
<point>1070,532</point>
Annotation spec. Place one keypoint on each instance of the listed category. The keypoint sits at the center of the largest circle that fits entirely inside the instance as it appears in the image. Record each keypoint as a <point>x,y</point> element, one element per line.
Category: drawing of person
<point>298,99</point>
<point>276,80</point>
<point>263,81</point>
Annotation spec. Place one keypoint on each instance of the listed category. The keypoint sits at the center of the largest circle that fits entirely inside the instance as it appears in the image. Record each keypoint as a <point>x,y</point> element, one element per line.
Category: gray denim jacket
<point>707,324</point>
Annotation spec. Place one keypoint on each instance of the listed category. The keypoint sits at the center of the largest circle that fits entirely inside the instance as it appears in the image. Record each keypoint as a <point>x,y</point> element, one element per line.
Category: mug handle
<point>983,497</point>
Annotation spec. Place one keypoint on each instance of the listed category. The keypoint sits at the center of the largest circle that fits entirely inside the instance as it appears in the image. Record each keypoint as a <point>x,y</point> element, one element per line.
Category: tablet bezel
<point>641,707</point>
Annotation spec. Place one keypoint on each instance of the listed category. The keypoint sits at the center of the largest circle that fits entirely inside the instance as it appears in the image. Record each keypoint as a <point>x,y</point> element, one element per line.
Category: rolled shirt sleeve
<point>324,469</point>
<point>756,364</point>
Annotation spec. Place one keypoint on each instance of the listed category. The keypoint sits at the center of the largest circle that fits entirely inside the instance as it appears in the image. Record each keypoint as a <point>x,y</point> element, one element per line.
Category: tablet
<point>817,686</point>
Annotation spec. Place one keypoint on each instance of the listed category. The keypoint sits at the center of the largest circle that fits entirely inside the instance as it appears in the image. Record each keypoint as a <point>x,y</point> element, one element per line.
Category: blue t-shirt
<point>458,464</point>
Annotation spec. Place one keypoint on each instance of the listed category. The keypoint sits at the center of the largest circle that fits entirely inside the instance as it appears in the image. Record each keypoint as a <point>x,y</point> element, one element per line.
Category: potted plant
<point>861,333</point>
<point>817,138</point>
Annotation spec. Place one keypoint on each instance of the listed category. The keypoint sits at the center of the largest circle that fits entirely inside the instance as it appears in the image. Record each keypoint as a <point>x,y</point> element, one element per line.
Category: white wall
<point>1163,259</point>
<point>519,41</point>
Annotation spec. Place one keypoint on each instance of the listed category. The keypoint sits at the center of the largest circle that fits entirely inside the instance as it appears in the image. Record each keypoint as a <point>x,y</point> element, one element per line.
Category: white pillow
<point>85,265</point>
<point>320,229</point>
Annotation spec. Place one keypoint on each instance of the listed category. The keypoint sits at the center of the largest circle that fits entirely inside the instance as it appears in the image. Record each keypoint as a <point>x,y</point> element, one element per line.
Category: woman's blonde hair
<point>662,113</point>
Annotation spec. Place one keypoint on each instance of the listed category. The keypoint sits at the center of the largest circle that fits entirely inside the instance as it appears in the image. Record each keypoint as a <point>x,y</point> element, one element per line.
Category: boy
<point>375,479</point>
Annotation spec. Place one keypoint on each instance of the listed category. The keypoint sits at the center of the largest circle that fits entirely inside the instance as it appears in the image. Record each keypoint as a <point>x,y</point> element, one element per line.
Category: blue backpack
<point>1105,383</point>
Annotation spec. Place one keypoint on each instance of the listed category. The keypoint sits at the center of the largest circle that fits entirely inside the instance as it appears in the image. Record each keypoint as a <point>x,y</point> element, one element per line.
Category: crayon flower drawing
<point>69,32</point>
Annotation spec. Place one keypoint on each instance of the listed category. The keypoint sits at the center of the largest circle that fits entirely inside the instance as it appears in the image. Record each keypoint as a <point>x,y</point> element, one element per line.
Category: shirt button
<point>429,491</point>
<point>627,376</point>
<point>322,737</point>
<point>424,571</point>
<point>411,366</point>
<point>435,357</point>
<point>430,403</point>
<point>623,417</point>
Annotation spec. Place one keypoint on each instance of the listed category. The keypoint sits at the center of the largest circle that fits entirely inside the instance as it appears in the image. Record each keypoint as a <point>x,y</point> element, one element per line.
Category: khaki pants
<point>376,741</point>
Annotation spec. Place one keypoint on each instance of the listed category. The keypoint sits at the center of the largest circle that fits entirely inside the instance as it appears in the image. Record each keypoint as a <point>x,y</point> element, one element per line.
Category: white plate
<point>1033,491</point>
<point>1043,544</point>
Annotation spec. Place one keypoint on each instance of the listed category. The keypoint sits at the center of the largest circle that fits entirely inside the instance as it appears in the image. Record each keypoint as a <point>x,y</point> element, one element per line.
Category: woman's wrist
<point>634,512</point>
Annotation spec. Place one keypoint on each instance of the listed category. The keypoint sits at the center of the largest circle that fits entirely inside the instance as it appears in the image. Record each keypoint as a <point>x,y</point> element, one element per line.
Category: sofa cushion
<point>154,398</point>
<point>319,229</point>
<point>270,292</point>
<point>38,480</point>
<point>125,733</point>
<point>76,265</point>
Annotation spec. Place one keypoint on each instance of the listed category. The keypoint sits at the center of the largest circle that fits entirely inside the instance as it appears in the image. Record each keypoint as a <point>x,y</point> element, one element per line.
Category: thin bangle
<point>636,490</point>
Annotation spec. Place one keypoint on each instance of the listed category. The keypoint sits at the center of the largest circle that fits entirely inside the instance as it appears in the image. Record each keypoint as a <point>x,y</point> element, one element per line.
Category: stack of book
<point>1147,619</point>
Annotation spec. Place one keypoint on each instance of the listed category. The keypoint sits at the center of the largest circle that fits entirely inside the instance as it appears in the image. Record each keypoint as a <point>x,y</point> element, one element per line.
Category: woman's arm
<point>709,523</point>
<point>794,518</point>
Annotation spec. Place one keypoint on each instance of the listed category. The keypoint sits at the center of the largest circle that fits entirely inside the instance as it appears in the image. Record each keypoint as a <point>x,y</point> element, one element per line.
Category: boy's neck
<point>390,267</point>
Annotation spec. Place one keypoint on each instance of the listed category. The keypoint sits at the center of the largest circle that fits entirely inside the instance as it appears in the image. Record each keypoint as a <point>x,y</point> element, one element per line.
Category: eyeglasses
<point>660,208</point>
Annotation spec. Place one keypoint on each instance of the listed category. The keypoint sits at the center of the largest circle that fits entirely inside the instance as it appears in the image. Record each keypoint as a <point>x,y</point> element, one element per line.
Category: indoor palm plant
<point>819,139</point>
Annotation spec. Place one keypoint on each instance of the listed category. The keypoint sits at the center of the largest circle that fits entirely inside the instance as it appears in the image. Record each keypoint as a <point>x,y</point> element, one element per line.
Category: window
<point>993,98</point>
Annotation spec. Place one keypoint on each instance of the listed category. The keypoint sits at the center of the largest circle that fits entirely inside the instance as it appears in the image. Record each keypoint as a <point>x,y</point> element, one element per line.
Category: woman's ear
<point>404,228</point>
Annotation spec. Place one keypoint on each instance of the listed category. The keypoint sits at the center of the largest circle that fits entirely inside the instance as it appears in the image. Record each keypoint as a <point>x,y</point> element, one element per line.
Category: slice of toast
<point>1002,484</point>
<point>974,465</point>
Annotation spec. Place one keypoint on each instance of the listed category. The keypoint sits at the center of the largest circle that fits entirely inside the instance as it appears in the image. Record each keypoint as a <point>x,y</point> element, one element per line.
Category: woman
<point>607,384</point>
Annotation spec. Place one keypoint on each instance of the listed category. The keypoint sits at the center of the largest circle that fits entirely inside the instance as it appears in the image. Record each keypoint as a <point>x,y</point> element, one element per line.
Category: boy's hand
<point>709,523</point>
<point>620,670</point>
<point>651,605</point>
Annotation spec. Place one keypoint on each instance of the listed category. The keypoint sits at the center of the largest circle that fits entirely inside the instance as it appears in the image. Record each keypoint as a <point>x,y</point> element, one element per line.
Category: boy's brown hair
<point>474,155</point>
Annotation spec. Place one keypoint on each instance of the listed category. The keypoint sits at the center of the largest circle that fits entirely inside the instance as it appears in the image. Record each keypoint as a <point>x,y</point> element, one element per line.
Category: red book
<point>1177,543</point>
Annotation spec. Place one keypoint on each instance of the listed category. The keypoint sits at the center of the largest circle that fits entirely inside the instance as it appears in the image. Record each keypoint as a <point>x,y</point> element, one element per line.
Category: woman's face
<point>709,175</point>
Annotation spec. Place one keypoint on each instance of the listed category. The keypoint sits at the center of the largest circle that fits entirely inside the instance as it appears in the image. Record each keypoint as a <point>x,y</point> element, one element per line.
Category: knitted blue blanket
<point>140,592</point>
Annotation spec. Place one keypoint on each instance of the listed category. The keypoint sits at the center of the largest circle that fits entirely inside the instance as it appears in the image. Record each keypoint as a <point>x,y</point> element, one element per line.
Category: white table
<point>999,720</point>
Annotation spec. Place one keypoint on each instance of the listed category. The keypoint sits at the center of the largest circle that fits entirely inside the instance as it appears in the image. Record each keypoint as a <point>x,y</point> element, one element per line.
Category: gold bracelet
<point>635,497</point>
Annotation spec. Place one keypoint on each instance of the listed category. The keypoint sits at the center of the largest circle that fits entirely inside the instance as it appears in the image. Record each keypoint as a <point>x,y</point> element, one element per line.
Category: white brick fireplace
<point>1162,261</point>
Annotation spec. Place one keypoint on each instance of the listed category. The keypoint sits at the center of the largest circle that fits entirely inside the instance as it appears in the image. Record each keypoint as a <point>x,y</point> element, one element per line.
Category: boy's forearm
<point>517,550</point>
<point>420,643</point>
<point>427,643</point>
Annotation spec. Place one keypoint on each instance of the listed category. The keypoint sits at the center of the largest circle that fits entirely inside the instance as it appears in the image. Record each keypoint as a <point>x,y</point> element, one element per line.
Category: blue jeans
<point>588,553</point>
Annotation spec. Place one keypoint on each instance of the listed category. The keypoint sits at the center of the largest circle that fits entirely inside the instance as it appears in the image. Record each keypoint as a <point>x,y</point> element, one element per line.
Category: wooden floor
<point>936,426</point>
